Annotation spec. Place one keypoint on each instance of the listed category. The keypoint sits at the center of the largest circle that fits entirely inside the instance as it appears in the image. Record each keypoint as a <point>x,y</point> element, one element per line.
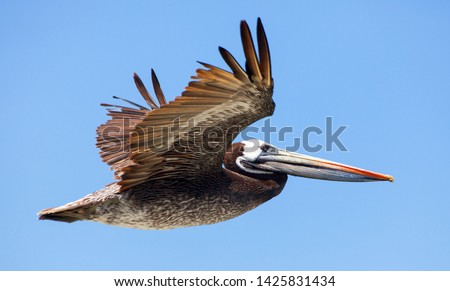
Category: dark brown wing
<point>187,138</point>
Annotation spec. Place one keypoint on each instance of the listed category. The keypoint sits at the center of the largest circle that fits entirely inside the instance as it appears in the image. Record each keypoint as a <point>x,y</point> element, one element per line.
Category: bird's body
<point>165,205</point>
<point>176,163</point>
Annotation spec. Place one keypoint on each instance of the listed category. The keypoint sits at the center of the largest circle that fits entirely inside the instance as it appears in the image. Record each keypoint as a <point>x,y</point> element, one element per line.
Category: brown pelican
<point>175,163</point>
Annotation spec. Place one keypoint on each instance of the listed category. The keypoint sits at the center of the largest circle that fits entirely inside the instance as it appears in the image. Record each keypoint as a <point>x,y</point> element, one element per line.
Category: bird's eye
<point>266,148</point>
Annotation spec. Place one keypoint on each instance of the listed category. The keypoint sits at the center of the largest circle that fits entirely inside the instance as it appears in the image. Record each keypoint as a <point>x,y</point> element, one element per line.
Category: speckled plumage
<point>158,205</point>
<point>163,204</point>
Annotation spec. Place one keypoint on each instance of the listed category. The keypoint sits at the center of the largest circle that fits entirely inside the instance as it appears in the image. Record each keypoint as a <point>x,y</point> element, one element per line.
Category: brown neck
<point>229,161</point>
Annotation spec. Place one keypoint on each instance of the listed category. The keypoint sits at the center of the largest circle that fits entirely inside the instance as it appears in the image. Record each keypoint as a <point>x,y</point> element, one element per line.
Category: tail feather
<point>67,213</point>
<point>63,217</point>
<point>81,209</point>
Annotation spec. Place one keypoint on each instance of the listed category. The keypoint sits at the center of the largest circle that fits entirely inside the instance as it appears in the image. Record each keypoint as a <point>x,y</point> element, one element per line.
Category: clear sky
<point>382,68</point>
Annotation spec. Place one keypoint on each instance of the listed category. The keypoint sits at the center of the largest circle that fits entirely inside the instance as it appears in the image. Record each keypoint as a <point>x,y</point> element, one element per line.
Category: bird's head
<point>255,157</point>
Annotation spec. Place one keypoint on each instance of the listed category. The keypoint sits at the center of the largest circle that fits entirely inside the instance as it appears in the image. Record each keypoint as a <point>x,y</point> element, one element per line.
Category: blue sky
<point>380,67</point>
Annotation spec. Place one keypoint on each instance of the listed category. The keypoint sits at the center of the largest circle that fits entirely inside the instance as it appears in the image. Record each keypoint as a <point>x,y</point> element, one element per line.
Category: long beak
<point>315,168</point>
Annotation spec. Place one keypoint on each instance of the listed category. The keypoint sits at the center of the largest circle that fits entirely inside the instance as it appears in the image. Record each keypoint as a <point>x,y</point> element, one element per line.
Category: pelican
<point>175,163</point>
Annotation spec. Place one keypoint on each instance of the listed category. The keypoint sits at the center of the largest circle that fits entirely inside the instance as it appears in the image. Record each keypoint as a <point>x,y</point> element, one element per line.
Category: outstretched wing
<point>187,138</point>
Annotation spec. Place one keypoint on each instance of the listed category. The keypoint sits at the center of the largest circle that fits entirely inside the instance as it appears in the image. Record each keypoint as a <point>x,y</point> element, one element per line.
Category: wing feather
<point>144,92</point>
<point>264,53</point>
<point>249,50</point>
<point>238,72</point>
<point>158,91</point>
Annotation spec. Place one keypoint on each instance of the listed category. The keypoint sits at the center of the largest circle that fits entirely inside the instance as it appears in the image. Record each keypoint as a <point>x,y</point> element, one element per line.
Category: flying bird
<point>175,163</point>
